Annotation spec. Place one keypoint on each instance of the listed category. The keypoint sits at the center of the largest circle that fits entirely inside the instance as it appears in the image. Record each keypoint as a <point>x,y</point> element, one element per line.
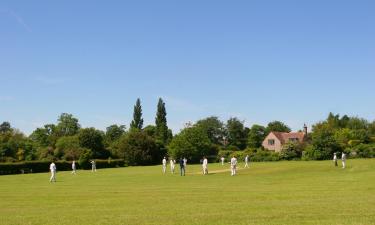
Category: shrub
<point>364,150</point>
<point>43,166</point>
<point>84,159</point>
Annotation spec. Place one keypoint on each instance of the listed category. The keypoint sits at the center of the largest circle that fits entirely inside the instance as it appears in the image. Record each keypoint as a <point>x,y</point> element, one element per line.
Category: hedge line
<point>43,166</point>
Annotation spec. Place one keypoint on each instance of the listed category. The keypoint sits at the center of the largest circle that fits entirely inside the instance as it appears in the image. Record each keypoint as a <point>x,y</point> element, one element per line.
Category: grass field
<point>266,193</point>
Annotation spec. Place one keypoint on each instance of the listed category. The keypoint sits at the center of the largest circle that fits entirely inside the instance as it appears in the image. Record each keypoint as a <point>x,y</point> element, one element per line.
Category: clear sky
<point>293,61</point>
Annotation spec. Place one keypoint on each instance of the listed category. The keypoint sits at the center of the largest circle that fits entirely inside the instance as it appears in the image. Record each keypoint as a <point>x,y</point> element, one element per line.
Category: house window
<point>271,141</point>
<point>293,139</point>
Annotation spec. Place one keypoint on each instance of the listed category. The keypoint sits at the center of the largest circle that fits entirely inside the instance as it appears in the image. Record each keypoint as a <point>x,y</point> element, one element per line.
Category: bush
<point>43,166</point>
<point>255,155</point>
<point>364,151</point>
<point>84,159</point>
<point>31,167</point>
<point>137,148</point>
<point>264,156</point>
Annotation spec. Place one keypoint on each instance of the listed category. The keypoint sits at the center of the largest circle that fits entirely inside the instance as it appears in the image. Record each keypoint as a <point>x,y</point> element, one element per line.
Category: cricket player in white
<point>93,166</point>
<point>74,167</point>
<point>172,165</point>
<point>164,164</point>
<point>233,165</point>
<point>343,159</point>
<point>335,158</point>
<point>52,168</point>
<point>247,161</point>
<point>185,162</point>
<point>222,160</point>
<point>204,166</point>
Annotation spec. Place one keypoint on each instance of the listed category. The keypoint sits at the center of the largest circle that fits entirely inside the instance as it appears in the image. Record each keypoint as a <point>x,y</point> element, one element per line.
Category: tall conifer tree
<point>161,122</point>
<point>137,122</point>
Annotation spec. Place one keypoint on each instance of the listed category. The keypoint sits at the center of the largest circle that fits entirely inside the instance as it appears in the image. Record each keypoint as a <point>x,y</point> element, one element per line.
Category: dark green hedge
<point>43,166</point>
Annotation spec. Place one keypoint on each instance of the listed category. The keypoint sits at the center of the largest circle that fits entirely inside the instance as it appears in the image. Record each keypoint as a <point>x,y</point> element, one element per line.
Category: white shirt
<point>233,161</point>
<point>164,162</point>
<point>246,158</point>
<point>222,159</point>
<point>52,167</point>
<point>73,165</point>
<point>343,157</point>
<point>334,157</point>
<point>205,162</point>
<point>172,162</point>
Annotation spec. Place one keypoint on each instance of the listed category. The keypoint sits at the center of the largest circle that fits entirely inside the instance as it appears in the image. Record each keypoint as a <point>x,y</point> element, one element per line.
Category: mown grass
<point>266,193</point>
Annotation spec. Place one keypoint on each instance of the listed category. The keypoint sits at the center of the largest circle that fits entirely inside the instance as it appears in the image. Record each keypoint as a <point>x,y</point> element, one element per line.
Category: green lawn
<point>266,193</point>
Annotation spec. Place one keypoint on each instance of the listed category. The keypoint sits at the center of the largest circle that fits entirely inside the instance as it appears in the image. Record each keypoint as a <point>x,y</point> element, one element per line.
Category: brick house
<point>275,140</point>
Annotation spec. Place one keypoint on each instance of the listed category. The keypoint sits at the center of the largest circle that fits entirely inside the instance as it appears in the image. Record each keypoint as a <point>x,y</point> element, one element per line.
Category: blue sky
<point>293,61</point>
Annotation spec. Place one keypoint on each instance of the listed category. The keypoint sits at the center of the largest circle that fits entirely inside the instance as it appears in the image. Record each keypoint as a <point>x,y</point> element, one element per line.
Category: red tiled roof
<point>284,137</point>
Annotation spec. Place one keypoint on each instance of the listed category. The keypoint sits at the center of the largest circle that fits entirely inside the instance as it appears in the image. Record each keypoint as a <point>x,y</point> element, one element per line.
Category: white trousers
<point>343,164</point>
<point>53,176</point>
<point>233,170</point>
<point>246,165</point>
<point>172,169</point>
<point>205,170</point>
<point>164,168</point>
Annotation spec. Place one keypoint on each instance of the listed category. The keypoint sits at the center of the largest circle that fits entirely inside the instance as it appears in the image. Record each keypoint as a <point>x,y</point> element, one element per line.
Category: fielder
<point>222,160</point>
<point>182,167</point>
<point>335,158</point>
<point>93,166</point>
<point>172,166</point>
<point>247,161</point>
<point>185,162</point>
<point>164,164</point>
<point>343,159</point>
<point>74,167</point>
<point>52,168</point>
<point>233,165</point>
<point>204,166</point>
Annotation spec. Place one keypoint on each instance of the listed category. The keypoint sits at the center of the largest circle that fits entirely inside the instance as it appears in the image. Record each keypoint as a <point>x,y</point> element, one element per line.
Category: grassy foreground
<point>266,193</point>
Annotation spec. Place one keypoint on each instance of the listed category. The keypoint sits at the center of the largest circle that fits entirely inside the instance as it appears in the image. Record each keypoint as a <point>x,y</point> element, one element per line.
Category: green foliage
<point>277,126</point>
<point>11,142</point>
<point>150,130</point>
<point>356,123</point>
<point>137,148</point>
<point>67,125</point>
<point>192,143</point>
<point>137,122</point>
<point>113,133</point>
<point>372,128</point>
<point>214,129</point>
<point>256,136</point>
<point>237,135</point>
<point>68,148</point>
<point>161,131</point>
<point>291,150</point>
<point>43,166</point>
<point>31,167</point>
<point>46,153</point>
<point>84,158</point>
<point>324,142</point>
<point>5,127</point>
<point>363,150</point>
<point>93,139</point>
<point>46,136</point>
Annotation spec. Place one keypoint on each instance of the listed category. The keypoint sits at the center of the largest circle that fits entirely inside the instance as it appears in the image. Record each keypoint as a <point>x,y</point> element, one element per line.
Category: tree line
<point>210,137</point>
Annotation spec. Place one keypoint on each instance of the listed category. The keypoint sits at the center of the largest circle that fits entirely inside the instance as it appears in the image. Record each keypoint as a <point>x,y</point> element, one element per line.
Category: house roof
<point>284,137</point>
